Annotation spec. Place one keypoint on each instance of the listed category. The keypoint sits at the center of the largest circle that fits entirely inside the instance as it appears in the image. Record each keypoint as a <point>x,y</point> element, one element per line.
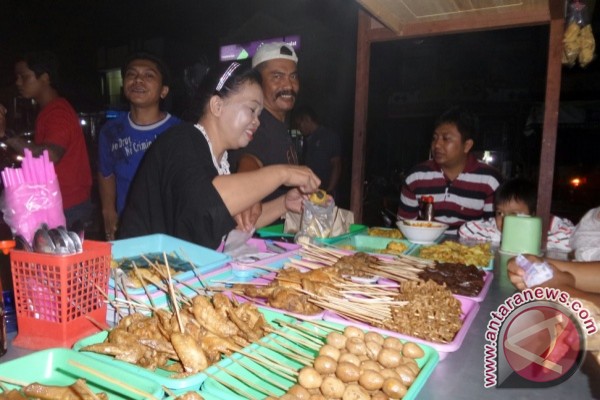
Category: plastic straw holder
<point>54,295</point>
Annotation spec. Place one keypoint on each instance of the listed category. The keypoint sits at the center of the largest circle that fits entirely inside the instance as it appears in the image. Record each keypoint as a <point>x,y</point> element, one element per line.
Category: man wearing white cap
<point>272,143</point>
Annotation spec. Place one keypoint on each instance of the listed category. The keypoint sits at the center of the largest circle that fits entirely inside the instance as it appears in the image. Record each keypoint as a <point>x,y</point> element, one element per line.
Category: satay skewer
<point>247,382</point>
<point>310,345</point>
<point>141,279</point>
<point>112,380</point>
<point>80,385</point>
<point>196,271</point>
<point>12,381</point>
<point>231,387</point>
<point>259,374</point>
<point>173,299</point>
<point>268,363</point>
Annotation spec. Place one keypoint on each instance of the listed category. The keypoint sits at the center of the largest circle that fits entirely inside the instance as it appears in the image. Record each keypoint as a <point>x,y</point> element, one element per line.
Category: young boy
<point>123,141</point>
<point>516,197</point>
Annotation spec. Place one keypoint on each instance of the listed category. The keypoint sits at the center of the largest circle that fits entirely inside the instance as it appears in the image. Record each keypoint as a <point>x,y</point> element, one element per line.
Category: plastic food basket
<point>276,231</point>
<point>57,295</point>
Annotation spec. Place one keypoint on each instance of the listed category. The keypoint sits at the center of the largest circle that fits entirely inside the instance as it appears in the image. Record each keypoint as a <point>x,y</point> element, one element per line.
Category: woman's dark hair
<point>160,65</point>
<point>222,80</point>
<point>42,62</point>
<point>466,123</point>
<point>517,189</point>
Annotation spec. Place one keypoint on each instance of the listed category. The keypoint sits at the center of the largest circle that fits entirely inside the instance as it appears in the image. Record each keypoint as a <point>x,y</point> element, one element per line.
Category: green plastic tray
<point>277,231</point>
<point>225,385</point>
<point>53,367</point>
<point>370,244</point>
<point>160,376</point>
<point>416,251</point>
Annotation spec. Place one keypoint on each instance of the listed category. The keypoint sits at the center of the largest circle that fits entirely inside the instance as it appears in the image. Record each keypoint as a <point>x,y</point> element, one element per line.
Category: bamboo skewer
<point>311,343</point>
<point>12,381</point>
<point>139,276</point>
<point>321,325</point>
<point>246,381</point>
<point>231,387</point>
<point>172,293</point>
<point>301,329</point>
<point>290,348</point>
<point>270,364</point>
<point>259,374</point>
<point>102,327</point>
<point>169,392</point>
<point>197,275</point>
<point>80,385</point>
<point>112,380</point>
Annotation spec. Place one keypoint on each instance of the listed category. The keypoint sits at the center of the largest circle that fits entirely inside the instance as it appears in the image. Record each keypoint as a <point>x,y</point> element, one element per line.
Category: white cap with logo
<point>272,51</point>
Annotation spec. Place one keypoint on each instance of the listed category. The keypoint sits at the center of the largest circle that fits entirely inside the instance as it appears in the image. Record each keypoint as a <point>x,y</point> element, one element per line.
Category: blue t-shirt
<point>121,146</point>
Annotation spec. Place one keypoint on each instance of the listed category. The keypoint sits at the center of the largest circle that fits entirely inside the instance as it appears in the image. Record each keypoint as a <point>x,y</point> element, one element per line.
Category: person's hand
<point>516,274</point>
<point>301,177</point>
<point>2,120</point>
<point>293,200</point>
<point>111,221</point>
<point>246,220</point>
<point>559,280</point>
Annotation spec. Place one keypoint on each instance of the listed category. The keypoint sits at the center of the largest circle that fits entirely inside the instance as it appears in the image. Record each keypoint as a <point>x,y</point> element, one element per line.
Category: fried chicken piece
<point>12,395</point>
<point>255,291</point>
<point>160,345</point>
<point>47,392</point>
<point>245,329</point>
<point>206,315</point>
<point>214,346</point>
<point>190,352</point>
<point>319,275</point>
<point>146,328</point>
<point>126,321</point>
<point>130,353</point>
<point>291,300</point>
<point>250,314</point>
<point>222,304</point>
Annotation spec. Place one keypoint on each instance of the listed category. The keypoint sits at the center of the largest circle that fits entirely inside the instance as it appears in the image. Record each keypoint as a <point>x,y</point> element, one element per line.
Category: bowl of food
<point>421,232</point>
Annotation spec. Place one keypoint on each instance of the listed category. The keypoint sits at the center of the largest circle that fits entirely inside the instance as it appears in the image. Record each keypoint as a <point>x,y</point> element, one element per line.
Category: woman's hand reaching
<point>302,178</point>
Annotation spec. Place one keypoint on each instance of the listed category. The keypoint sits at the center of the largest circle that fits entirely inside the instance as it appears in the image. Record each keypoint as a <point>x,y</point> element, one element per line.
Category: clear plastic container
<point>535,273</point>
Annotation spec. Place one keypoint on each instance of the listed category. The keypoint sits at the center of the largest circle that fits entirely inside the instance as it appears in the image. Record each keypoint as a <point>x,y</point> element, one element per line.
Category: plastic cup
<point>521,234</point>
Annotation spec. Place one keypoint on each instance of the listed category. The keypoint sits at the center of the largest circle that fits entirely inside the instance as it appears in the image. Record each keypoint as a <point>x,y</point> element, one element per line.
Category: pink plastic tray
<point>487,281</point>
<point>469,310</point>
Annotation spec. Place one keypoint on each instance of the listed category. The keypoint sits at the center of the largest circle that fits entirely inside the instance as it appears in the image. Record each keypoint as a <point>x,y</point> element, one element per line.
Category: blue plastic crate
<point>204,259</point>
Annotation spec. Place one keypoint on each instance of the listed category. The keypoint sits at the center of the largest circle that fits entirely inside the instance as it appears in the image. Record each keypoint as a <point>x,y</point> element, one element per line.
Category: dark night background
<point>498,74</point>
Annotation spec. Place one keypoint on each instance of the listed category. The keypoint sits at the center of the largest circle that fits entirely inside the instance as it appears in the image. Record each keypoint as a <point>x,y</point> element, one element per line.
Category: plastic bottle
<point>426,208</point>
<point>535,273</point>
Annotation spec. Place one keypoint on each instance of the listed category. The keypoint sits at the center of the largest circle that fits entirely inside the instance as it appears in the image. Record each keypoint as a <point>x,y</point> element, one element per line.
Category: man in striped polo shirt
<point>462,187</point>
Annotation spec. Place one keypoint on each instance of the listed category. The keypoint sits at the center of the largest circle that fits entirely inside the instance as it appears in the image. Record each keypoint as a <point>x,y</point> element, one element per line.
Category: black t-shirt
<point>172,192</point>
<point>271,144</point>
<point>319,149</point>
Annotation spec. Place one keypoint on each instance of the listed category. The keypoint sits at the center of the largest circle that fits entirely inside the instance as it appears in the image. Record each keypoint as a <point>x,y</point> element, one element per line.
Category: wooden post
<point>361,101</point>
<point>551,108</point>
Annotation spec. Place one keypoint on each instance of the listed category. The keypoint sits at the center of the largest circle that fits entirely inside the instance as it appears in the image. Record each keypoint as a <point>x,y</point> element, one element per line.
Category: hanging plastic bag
<point>317,216</point>
<point>578,40</point>
<point>31,196</point>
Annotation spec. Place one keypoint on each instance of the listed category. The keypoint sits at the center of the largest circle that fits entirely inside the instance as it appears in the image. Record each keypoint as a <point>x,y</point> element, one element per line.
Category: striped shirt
<point>468,197</point>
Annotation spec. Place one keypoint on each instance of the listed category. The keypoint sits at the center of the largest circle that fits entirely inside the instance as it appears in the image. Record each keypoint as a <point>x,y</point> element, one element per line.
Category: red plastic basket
<point>55,294</point>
